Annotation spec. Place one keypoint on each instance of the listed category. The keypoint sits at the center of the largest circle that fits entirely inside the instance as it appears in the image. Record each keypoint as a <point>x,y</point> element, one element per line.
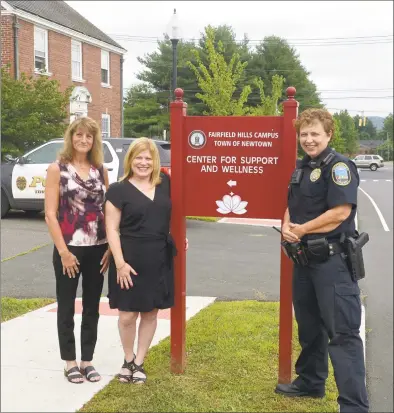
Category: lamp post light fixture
<point>174,33</point>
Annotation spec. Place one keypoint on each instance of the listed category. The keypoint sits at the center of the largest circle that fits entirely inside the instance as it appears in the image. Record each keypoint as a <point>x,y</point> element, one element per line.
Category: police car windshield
<point>164,152</point>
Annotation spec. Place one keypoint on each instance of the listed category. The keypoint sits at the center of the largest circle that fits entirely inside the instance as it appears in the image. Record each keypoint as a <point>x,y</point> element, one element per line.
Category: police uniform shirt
<point>327,181</point>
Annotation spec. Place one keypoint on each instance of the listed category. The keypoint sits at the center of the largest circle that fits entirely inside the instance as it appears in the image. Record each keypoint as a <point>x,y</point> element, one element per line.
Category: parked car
<point>372,162</point>
<point>23,179</point>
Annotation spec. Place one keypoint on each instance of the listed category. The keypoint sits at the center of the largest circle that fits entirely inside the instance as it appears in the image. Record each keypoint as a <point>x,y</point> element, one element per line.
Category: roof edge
<point>48,24</point>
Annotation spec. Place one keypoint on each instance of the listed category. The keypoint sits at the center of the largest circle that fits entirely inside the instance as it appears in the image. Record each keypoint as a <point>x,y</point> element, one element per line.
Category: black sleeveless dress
<point>147,246</point>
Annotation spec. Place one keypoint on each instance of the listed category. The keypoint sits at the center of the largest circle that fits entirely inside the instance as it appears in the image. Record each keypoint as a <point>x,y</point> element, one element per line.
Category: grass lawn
<point>232,366</point>
<point>14,307</point>
<point>206,219</point>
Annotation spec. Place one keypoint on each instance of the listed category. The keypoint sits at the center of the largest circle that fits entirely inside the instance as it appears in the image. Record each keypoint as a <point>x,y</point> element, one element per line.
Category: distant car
<point>23,179</point>
<point>372,162</point>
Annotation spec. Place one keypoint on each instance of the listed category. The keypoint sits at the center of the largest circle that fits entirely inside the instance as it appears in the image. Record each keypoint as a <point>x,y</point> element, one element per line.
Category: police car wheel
<point>373,167</point>
<point>5,205</point>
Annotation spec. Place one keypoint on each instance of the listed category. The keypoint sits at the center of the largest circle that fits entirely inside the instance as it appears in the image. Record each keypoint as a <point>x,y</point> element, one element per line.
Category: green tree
<point>364,136</point>
<point>218,80</point>
<point>337,141</point>
<point>348,131</point>
<point>144,115</point>
<point>269,104</point>
<point>157,73</point>
<point>365,132</point>
<point>33,110</point>
<point>273,56</point>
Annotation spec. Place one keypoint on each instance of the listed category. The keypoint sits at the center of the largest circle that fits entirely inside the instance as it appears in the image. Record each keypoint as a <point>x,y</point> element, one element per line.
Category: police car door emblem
<point>341,174</point>
<point>197,139</point>
<point>315,174</point>
<point>21,183</point>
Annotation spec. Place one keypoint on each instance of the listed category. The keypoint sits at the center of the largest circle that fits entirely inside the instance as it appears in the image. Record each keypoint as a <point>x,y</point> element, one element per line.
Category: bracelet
<point>118,269</point>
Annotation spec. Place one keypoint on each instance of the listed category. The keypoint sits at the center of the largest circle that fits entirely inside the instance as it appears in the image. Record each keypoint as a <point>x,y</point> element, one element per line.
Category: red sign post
<point>236,166</point>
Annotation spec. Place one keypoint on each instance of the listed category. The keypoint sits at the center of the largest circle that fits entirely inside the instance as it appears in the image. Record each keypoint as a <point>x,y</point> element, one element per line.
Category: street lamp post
<point>174,37</point>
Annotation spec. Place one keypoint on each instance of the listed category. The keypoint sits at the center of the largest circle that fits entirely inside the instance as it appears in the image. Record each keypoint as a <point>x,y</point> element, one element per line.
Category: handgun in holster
<point>354,255</point>
<point>295,251</point>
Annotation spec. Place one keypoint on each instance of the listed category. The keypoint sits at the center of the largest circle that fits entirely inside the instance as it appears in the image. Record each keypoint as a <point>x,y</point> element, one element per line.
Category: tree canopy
<point>33,110</point>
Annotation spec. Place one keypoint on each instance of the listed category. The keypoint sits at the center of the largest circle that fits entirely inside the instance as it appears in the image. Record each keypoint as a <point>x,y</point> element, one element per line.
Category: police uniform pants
<point>89,258</point>
<point>328,311</point>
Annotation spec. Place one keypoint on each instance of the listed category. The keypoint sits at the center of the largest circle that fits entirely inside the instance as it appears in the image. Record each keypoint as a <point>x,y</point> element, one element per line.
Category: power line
<point>317,91</point>
<point>349,43</point>
<point>259,40</point>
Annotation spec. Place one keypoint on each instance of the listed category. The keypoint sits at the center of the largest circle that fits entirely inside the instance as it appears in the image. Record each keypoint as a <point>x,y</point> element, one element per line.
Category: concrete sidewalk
<point>31,368</point>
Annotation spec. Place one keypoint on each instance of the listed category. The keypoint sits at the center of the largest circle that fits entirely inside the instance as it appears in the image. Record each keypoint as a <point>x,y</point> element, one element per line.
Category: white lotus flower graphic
<point>231,204</point>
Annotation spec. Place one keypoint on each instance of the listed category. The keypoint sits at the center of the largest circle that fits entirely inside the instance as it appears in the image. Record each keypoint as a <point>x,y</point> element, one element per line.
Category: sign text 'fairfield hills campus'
<point>234,169</point>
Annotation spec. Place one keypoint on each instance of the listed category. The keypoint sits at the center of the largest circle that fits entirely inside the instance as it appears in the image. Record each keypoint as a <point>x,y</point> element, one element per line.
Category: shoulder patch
<point>341,174</point>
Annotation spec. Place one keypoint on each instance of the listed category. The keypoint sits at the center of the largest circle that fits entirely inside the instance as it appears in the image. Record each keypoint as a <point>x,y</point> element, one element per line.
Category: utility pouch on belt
<point>318,249</point>
<point>295,251</point>
<point>354,255</point>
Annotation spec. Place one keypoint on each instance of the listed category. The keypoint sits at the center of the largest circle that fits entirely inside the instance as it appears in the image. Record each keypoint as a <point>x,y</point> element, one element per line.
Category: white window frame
<point>78,77</point>
<point>45,32</point>
<point>105,53</point>
<point>106,134</point>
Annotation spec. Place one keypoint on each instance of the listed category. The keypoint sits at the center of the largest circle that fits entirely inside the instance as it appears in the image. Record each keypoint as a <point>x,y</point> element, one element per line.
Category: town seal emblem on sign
<point>197,139</point>
<point>21,183</point>
<point>315,174</point>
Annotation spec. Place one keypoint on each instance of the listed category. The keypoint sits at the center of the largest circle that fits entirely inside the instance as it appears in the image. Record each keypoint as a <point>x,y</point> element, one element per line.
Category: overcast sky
<point>356,76</point>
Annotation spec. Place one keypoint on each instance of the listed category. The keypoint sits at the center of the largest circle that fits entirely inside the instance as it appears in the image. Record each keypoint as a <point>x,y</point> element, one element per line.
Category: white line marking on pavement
<point>380,215</point>
<point>375,180</point>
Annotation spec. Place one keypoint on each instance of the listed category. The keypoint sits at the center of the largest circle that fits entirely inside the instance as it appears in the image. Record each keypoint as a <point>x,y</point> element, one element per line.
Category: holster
<point>354,254</point>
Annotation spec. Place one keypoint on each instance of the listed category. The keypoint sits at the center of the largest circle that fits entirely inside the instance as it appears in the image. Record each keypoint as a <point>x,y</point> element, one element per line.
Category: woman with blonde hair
<point>74,196</point>
<point>140,277</point>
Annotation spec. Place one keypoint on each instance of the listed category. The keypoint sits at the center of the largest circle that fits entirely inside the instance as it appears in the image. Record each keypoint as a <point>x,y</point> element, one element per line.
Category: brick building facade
<point>52,39</point>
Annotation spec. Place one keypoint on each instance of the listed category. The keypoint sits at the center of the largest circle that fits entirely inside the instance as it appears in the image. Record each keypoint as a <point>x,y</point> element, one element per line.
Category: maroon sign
<point>233,165</point>
<point>230,166</point>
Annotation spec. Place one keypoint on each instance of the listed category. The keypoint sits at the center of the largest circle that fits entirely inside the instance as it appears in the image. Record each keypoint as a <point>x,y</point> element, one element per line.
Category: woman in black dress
<point>141,279</point>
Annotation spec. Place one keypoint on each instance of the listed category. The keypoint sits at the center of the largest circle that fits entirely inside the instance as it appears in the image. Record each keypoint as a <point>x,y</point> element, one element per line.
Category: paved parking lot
<point>224,260</point>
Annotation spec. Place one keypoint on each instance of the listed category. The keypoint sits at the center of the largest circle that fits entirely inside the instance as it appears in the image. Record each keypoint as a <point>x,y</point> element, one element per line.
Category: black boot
<point>292,390</point>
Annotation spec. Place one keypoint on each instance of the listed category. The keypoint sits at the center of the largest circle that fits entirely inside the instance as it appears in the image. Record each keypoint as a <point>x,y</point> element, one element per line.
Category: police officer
<point>322,203</point>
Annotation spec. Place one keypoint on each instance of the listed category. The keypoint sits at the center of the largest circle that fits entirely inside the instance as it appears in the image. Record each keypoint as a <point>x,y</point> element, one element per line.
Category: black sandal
<point>90,372</point>
<point>140,369</point>
<point>71,377</point>
<point>129,365</point>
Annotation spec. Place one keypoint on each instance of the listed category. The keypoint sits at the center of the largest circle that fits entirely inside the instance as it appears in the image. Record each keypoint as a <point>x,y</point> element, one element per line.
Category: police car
<point>23,179</point>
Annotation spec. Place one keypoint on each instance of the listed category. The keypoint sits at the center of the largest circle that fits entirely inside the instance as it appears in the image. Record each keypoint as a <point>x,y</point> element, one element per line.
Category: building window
<point>105,125</point>
<point>40,50</point>
<point>76,60</point>
<point>105,67</point>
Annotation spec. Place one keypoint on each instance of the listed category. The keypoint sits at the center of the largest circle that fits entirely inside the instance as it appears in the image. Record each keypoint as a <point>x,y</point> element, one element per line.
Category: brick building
<point>49,38</point>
